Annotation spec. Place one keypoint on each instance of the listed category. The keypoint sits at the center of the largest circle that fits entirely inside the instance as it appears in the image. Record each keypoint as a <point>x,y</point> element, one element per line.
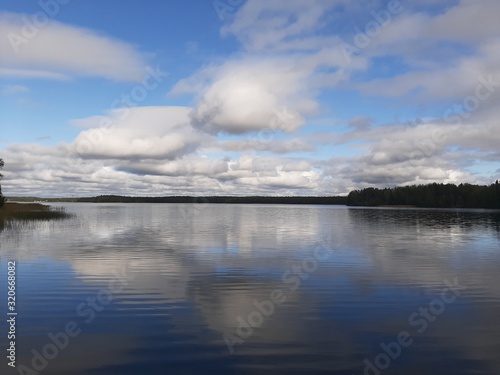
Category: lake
<point>254,289</point>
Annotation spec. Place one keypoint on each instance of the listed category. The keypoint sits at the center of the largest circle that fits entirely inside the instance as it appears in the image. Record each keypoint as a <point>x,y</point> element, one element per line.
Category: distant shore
<point>422,196</point>
<point>334,200</point>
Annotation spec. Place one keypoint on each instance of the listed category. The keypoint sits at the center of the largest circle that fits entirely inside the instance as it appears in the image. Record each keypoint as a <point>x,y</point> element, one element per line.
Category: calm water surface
<point>254,289</point>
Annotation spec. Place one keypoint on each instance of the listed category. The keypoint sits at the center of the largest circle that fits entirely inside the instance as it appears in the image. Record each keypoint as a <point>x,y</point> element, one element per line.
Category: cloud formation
<point>249,95</point>
<point>282,114</point>
<point>137,133</point>
<point>274,83</point>
<point>58,51</point>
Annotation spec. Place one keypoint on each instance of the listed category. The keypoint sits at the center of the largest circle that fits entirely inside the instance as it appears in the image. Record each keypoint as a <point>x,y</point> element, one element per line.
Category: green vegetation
<point>432,195</point>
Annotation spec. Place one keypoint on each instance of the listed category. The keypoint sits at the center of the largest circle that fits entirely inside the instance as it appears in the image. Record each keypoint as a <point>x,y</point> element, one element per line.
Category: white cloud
<point>445,56</point>
<point>422,153</point>
<point>59,51</point>
<point>46,171</point>
<point>262,24</point>
<point>266,144</point>
<point>289,54</point>
<point>459,79</point>
<point>455,23</point>
<point>137,133</point>
<point>31,73</point>
<point>274,83</point>
<point>391,154</point>
<point>250,95</point>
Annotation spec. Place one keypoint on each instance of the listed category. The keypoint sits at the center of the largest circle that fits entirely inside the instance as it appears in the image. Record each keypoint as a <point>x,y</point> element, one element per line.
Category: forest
<point>218,199</point>
<point>431,195</point>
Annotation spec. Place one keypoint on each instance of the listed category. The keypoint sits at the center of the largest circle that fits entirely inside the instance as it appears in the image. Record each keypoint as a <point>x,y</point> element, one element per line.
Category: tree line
<point>334,200</point>
<point>431,195</point>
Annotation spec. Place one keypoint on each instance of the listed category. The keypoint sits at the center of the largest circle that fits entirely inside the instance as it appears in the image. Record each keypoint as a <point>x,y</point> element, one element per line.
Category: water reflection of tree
<point>466,220</point>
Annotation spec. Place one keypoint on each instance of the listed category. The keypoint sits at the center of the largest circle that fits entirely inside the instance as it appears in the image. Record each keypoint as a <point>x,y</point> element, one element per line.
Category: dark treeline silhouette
<point>432,195</point>
<point>2,198</point>
<point>217,199</point>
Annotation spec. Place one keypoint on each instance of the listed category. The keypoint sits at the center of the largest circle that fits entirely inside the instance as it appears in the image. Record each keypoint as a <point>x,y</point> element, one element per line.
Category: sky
<point>255,97</point>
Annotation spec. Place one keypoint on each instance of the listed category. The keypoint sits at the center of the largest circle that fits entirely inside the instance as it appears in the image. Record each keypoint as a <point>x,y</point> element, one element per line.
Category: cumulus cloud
<point>290,55</point>
<point>425,152</point>
<point>137,133</point>
<point>147,151</point>
<point>60,51</point>
<point>55,171</point>
<point>249,95</point>
<point>270,86</point>
<point>190,166</point>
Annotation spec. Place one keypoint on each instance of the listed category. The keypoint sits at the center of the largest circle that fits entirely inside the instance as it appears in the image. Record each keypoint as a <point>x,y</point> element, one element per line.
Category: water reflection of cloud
<point>199,269</point>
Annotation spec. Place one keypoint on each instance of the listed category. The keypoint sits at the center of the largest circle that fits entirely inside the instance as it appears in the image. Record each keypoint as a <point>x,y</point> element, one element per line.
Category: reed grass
<point>25,212</point>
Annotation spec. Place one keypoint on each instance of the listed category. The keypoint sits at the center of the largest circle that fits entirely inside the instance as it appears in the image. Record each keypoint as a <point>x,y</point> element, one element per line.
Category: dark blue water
<point>251,289</point>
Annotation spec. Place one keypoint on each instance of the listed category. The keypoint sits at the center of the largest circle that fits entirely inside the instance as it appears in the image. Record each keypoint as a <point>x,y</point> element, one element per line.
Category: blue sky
<point>306,97</point>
